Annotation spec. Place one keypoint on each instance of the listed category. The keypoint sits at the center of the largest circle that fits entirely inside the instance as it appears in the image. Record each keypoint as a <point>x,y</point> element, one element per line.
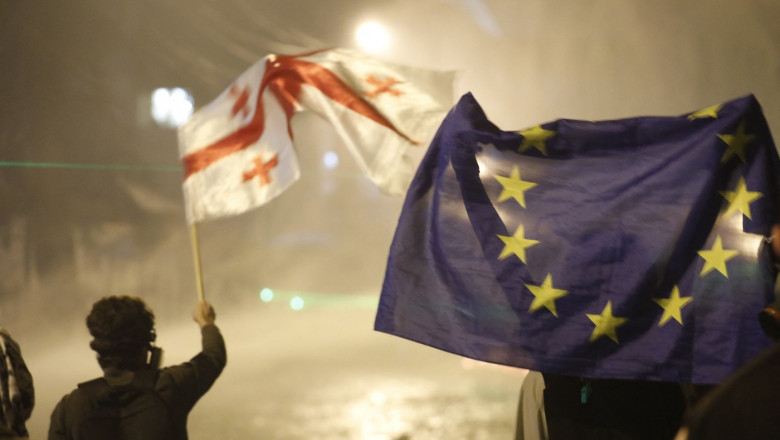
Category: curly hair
<point>122,328</point>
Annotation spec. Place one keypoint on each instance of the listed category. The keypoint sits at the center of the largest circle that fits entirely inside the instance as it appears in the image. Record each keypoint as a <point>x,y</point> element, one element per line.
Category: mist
<point>90,187</point>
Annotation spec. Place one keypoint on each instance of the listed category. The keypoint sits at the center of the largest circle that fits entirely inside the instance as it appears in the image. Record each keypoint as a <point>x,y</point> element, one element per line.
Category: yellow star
<point>740,199</point>
<point>514,187</point>
<point>535,137</point>
<point>545,295</point>
<point>672,306</point>
<point>709,112</point>
<point>736,143</point>
<point>716,258</point>
<point>516,244</point>
<point>606,324</point>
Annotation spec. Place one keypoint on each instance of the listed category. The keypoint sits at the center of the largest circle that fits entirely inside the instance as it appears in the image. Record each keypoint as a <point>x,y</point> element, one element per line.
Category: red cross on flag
<point>238,152</point>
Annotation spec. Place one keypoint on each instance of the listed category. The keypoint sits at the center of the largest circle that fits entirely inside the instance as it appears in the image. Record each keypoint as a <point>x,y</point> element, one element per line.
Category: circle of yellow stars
<point>715,258</point>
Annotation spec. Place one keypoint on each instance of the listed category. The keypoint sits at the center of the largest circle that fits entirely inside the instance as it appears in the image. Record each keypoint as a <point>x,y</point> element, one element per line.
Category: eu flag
<point>630,248</point>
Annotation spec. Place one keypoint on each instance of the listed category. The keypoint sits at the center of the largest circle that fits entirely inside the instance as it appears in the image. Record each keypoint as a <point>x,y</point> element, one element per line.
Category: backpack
<point>125,412</point>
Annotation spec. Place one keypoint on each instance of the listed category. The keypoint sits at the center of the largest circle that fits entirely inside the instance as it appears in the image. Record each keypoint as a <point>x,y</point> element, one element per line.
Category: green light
<point>296,303</point>
<point>266,295</point>
<point>88,166</point>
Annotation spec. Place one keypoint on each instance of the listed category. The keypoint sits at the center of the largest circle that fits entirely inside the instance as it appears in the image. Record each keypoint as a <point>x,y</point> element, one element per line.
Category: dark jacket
<point>745,406</point>
<point>611,409</point>
<point>180,386</point>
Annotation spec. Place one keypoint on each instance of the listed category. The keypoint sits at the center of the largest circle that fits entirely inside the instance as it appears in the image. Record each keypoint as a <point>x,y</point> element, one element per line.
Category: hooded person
<point>136,398</point>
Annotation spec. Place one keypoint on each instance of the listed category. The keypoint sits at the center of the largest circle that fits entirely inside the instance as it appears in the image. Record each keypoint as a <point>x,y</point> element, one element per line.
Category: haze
<point>90,187</point>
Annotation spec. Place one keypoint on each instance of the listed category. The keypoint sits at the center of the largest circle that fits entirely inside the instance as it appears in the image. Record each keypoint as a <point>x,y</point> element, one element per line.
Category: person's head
<point>123,330</point>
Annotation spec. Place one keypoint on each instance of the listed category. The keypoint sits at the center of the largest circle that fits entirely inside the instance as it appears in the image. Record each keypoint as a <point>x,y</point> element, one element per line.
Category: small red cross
<point>242,98</point>
<point>382,86</point>
<point>262,169</point>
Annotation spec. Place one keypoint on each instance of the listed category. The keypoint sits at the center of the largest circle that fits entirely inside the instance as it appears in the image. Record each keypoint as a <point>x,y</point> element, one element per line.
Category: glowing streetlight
<point>372,37</point>
<point>171,107</point>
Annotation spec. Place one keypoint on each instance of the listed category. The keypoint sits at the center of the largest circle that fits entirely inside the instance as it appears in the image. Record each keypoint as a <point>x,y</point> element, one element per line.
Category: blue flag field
<point>630,248</point>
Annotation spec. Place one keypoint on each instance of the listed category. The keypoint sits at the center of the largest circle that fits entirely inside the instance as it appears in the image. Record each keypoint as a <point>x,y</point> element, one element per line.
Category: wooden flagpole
<point>196,255</point>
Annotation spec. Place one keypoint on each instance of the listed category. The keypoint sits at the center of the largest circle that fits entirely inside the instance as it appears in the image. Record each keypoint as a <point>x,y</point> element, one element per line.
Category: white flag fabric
<point>238,152</point>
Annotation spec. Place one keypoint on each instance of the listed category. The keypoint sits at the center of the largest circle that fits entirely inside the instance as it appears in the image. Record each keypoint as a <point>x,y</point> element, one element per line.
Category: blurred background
<point>91,201</point>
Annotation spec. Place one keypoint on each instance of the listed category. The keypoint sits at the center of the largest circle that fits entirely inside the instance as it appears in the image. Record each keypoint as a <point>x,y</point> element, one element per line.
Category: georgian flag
<point>238,153</point>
